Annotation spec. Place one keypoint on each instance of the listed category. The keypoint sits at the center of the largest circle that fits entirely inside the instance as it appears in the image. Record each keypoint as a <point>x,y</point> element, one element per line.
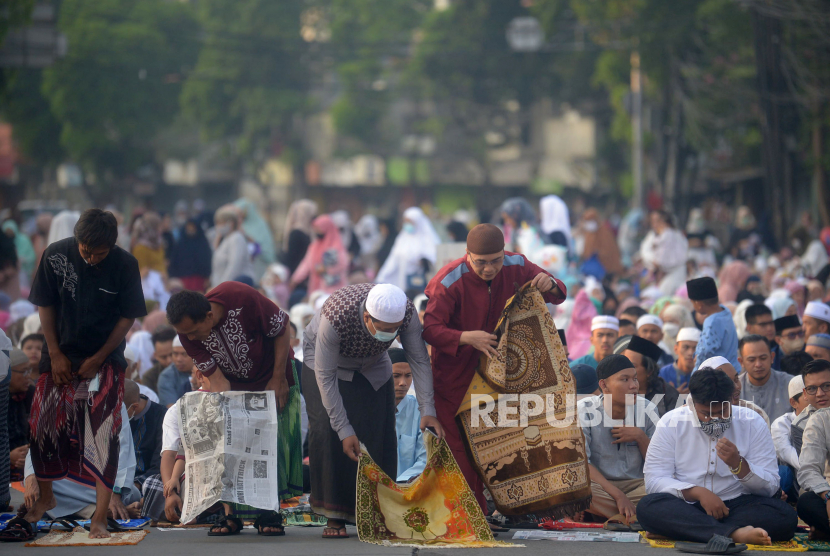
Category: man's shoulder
<point>667,368</point>
<point>61,246</point>
<point>450,274</point>
<point>587,359</point>
<point>589,401</point>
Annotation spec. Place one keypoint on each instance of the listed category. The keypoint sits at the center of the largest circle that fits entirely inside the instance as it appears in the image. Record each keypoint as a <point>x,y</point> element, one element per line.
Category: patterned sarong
<point>538,469</point>
<point>438,509</point>
<point>290,443</point>
<point>74,431</point>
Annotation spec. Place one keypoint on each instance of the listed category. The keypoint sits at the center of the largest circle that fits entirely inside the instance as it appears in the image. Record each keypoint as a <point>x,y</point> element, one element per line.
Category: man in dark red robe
<point>466,299</point>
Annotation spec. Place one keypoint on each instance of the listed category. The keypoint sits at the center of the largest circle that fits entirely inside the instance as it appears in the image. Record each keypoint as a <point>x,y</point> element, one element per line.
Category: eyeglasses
<point>481,264</point>
<point>794,335</point>
<point>813,389</point>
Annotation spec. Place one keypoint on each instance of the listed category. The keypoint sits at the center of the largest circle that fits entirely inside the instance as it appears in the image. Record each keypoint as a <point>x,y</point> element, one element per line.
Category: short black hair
<point>710,301</point>
<point>293,326</point>
<point>794,363</point>
<point>97,228</point>
<point>755,311</point>
<point>626,322</point>
<point>710,385</point>
<point>163,333</point>
<point>815,366</point>
<point>187,303</point>
<point>635,310</point>
<point>397,355</point>
<point>36,337</point>
<point>752,339</point>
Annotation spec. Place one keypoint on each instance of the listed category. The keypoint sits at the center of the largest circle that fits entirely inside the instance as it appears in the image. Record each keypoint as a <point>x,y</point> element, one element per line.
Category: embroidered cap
<point>386,303</point>
<point>818,310</point>
<point>819,340</point>
<point>796,386</point>
<point>689,334</point>
<point>649,319</point>
<point>603,321</point>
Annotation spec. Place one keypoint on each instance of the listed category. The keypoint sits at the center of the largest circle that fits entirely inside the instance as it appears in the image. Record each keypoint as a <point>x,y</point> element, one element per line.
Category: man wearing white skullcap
<point>677,374</point>
<point>720,363</point>
<point>350,394</point>
<point>650,327</point>
<point>604,332</point>
<point>174,381</point>
<point>816,319</point>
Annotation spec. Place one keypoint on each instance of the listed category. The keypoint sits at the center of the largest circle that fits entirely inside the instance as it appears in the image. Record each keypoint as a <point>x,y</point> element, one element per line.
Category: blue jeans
<point>788,485</point>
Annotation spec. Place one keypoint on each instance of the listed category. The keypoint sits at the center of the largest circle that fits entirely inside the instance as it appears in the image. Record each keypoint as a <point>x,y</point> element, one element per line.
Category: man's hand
<point>624,435</point>
<point>482,341</point>
<point>279,384</point>
<point>18,456</point>
<point>624,506</point>
<point>728,453</point>
<point>31,491</point>
<point>61,369</point>
<point>683,388</point>
<point>90,367</point>
<point>170,487</point>
<point>351,447</point>
<point>173,508</point>
<point>712,503</point>
<point>543,282</point>
<point>117,508</point>
<point>432,422</point>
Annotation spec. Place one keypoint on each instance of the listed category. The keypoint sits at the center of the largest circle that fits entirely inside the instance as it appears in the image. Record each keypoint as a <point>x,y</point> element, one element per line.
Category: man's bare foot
<point>751,535</point>
<point>36,512</point>
<point>578,517</point>
<point>98,530</point>
<point>134,510</point>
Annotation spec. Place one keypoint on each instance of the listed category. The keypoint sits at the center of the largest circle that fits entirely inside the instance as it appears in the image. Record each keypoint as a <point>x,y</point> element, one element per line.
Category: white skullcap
<point>129,355</point>
<point>177,342</point>
<point>386,303</point>
<point>603,321</point>
<point>796,386</point>
<point>689,334</point>
<point>649,319</point>
<point>818,310</point>
<point>715,362</point>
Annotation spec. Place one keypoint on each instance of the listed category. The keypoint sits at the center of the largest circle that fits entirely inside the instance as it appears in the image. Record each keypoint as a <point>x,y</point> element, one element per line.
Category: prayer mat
<point>437,510</point>
<point>813,546</point>
<point>785,546</point>
<point>302,516</point>
<point>47,525</point>
<point>537,469</point>
<point>80,537</point>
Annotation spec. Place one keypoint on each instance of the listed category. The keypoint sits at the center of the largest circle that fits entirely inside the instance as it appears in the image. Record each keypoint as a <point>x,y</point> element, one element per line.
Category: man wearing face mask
<point>789,334</point>
<point>350,393</point>
<point>711,473</point>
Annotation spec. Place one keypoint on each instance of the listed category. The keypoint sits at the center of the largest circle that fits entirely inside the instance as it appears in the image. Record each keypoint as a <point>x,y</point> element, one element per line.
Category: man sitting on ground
<point>163,345</point>
<point>816,319</point>
<point>721,364</point>
<point>789,334</point>
<point>604,331</point>
<point>616,454</point>
<point>412,454</point>
<point>759,383</point>
<point>782,440</point>
<point>814,503</point>
<point>146,418</point>
<point>643,354</point>
<point>174,381</point>
<point>818,346</point>
<point>21,394</point>
<point>719,336</point>
<point>677,374</point>
<point>759,321</point>
<point>650,327</point>
<point>711,471</point>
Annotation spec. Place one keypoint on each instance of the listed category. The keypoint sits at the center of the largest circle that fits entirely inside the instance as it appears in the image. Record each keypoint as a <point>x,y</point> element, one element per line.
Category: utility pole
<point>637,129</point>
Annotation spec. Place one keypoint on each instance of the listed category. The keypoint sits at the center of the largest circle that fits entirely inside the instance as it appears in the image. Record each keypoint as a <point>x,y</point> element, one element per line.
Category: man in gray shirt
<point>349,393</point>
<point>618,425</point>
<point>813,504</point>
<point>759,383</point>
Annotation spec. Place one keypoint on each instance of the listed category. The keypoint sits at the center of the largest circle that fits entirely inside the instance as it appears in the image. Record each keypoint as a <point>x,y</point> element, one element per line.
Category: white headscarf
<point>367,230</point>
<point>63,225</point>
<point>739,318</point>
<point>555,216</point>
<point>409,249</point>
<point>5,350</point>
<point>141,343</point>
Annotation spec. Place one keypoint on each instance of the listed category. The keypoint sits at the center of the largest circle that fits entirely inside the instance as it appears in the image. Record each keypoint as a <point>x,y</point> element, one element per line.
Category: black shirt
<point>88,300</point>
<point>147,439</point>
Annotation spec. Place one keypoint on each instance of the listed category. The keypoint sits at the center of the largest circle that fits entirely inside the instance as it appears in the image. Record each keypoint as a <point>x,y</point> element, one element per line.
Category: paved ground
<point>308,542</point>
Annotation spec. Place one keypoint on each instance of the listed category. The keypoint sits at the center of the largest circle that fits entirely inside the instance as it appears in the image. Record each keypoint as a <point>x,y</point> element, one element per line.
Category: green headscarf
<point>23,245</point>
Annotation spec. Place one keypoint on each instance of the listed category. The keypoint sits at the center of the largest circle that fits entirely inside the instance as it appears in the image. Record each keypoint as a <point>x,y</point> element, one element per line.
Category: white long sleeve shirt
<point>681,456</point>
<point>782,440</point>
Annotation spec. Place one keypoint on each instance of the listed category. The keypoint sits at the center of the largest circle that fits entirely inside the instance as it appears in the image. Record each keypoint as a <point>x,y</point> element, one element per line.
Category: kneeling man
<point>711,471</point>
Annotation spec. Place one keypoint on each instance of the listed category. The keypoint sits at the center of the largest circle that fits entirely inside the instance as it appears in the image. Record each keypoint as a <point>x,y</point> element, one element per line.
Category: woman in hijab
<point>63,226</point>
<point>599,246</point>
<point>745,241</point>
<point>675,317</point>
<point>257,229</point>
<point>556,220</point>
<point>25,251</point>
<point>811,251</point>
<point>370,239</point>
<point>326,263</point>
<point>147,244</point>
<point>732,280</point>
<point>190,259</point>
<point>43,222</point>
<point>520,233</point>
<point>297,234</point>
<point>781,306</point>
<point>664,252</point>
<point>343,222</point>
<point>578,332</point>
<point>231,257</point>
<point>388,229</point>
<point>414,253</point>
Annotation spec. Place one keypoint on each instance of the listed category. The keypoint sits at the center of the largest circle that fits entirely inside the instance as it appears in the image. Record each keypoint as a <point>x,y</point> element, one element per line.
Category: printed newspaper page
<point>230,447</point>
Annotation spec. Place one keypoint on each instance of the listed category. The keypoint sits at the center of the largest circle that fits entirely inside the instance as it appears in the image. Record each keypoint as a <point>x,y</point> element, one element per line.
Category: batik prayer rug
<point>785,546</point>
<point>539,468</point>
<point>437,510</point>
<point>812,546</point>
<point>80,537</point>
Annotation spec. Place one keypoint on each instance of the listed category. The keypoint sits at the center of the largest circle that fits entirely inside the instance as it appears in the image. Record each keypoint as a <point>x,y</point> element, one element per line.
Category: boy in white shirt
<point>782,437</point>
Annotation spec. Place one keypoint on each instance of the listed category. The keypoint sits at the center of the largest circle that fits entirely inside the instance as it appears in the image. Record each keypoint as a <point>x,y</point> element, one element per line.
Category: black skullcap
<point>562,337</point>
<point>397,355</point>
<point>613,364</point>
<point>790,321</point>
<point>645,347</point>
<point>586,378</point>
<point>702,289</point>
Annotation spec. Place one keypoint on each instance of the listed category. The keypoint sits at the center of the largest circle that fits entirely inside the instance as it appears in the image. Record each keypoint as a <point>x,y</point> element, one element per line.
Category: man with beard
<point>759,383</point>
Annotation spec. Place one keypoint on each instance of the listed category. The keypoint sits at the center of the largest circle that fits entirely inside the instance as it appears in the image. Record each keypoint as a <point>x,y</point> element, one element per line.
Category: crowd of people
<point>367,339</point>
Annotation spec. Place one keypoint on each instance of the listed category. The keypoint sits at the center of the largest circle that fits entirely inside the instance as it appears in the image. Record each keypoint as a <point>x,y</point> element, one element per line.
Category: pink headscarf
<point>794,287</point>
<point>335,275</point>
<point>732,280</point>
<point>578,333</point>
<point>154,320</point>
<point>626,304</point>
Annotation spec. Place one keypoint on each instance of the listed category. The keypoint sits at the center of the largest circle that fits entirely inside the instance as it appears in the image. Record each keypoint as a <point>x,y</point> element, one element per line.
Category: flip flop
<point>18,530</point>
<point>617,523</point>
<point>339,535</point>
<point>226,523</point>
<point>272,520</point>
<point>718,544</point>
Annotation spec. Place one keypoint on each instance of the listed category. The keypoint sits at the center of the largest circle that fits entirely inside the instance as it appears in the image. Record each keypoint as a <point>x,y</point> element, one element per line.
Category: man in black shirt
<point>88,292</point>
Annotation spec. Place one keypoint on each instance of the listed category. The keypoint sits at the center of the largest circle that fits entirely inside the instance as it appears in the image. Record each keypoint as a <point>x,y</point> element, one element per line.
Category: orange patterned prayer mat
<point>80,537</point>
<point>537,469</point>
<point>436,510</point>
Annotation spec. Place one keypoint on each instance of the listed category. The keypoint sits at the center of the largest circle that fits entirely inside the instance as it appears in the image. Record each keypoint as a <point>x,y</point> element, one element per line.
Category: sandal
<point>18,530</point>
<point>718,544</point>
<point>340,533</point>
<point>226,523</point>
<point>272,520</point>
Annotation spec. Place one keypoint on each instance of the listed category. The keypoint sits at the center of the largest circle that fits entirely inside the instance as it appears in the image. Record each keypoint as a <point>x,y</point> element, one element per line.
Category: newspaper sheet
<point>230,447</point>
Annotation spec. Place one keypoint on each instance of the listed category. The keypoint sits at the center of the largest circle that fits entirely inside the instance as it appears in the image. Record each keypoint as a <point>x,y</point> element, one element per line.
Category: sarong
<point>74,432</point>
<point>437,509</point>
<point>372,415</point>
<point>538,469</point>
<point>290,444</point>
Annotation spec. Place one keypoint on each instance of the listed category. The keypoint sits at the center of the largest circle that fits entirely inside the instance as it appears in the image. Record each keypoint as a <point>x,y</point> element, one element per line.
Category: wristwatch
<point>116,490</point>
<point>826,496</point>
